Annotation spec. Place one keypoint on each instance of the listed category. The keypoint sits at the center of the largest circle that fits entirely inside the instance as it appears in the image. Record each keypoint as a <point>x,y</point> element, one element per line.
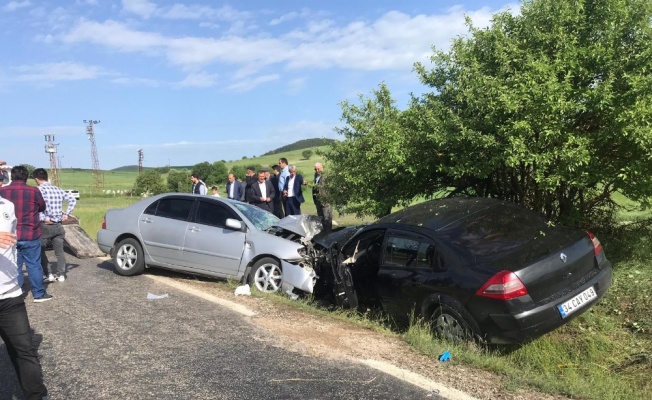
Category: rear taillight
<point>104,222</point>
<point>504,285</point>
<point>597,246</point>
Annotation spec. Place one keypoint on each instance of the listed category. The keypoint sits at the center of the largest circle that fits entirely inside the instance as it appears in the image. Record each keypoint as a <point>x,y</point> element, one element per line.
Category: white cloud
<point>15,5</point>
<point>142,8</point>
<point>248,84</point>
<point>392,42</point>
<point>116,36</point>
<point>200,80</point>
<point>52,72</point>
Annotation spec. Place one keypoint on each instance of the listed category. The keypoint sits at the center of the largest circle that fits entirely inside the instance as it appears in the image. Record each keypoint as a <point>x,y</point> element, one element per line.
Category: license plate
<point>577,302</point>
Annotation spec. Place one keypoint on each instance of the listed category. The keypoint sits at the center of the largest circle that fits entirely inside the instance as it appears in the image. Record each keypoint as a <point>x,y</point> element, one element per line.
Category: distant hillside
<point>302,144</point>
<point>134,168</point>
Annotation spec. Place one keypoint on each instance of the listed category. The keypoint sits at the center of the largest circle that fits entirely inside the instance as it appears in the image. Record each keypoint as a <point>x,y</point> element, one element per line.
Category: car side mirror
<point>236,225</point>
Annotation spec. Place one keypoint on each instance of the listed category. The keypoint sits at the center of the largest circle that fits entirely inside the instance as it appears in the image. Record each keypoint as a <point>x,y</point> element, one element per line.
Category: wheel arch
<point>436,300</point>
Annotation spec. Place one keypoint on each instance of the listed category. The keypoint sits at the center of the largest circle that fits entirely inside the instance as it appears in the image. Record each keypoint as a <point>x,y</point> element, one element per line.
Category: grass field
<point>604,354</point>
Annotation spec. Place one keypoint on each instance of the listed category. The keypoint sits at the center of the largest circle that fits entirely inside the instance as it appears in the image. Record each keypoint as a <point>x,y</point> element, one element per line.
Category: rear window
<point>495,230</point>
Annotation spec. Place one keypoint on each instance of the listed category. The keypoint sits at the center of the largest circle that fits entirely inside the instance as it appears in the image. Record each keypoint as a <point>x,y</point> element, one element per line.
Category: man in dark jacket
<point>292,191</point>
<point>263,193</point>
<point>234,189</point>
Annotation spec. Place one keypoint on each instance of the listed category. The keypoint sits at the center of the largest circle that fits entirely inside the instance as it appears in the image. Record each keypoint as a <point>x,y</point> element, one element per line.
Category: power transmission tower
<point>98,183</point>
<point>140,161</point>
<point>51,149</point>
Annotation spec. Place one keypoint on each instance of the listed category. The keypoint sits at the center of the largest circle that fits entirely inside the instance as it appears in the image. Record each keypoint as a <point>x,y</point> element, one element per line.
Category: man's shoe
<point>43,298</point>
<point>49,278</point>
<point>60,278</point>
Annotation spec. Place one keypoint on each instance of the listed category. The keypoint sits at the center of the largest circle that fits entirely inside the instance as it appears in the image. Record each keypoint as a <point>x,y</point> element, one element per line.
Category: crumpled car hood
<point>303,225</point>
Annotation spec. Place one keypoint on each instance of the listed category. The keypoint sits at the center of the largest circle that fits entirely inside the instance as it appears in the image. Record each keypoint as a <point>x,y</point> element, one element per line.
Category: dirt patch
<point>325,337</point>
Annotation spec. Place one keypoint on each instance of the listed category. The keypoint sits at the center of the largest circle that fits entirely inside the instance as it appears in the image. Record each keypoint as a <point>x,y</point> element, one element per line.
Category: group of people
<point>278,190</point>
<point>30,218</point>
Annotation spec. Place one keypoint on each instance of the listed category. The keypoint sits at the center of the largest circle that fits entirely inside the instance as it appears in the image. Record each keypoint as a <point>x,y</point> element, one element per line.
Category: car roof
<point>439,213</point>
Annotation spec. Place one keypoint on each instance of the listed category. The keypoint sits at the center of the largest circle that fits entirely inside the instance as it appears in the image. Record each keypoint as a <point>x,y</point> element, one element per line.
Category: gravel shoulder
<point>326,337</point>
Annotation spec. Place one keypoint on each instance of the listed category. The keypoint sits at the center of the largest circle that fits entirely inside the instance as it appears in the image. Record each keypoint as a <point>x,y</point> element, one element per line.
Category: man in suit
<point>234,189</point>
<point>263,193</point>
<point>278,208</point>
<point>292,191</point>
<point>319,196</point>
<point>249,180</point>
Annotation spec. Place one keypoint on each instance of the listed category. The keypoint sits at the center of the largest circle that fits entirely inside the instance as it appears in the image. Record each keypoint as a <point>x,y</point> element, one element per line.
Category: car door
<point>163,227</point>
<point>365,248</point>
<point>209,245</point>
<point>405,273</point>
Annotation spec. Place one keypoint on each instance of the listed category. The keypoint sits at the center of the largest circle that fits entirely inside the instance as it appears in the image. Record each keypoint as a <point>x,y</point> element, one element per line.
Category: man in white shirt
<point>14,323</point>
<point>293,192</point>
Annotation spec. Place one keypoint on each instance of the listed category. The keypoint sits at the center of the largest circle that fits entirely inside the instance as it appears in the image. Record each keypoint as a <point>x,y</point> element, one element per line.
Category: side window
<point>369,242</point>
<point>151,209</point>
<point>410,252</point>
<point>209,213</point>
<point>174,208</point>
<point>401,252</point>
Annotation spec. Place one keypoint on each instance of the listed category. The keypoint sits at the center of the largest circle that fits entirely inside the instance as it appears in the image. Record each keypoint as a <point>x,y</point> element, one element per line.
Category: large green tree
<point>149,182</point>
<point>550,108</point>
<point>179,181</point>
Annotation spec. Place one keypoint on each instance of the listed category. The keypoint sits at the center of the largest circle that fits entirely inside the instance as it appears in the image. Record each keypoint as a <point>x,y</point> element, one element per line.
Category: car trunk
<point>548,268</point>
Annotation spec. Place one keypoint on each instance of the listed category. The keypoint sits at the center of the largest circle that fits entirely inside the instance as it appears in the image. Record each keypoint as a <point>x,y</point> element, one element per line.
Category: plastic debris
<point>445,356</point>
<point>292,295</point>
<point>151,296</point>
<point>243,290</point>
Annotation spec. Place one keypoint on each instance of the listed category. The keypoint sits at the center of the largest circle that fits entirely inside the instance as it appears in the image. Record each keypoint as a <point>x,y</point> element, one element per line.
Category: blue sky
<point>196,80</point>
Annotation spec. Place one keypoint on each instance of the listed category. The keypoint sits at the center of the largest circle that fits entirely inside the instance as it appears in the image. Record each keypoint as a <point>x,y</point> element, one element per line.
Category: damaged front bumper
<point>297,277</point>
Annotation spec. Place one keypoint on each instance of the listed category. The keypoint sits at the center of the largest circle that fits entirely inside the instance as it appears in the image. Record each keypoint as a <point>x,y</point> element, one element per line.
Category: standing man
<point>250,179</point>
<point>29,204</point>
<point>234,189</point>
<point>198,187</point>
<point>283,163</point>
<point>15,330</point>
<point>278,208</point>
<point>262,193</point>
<point>293,192</point>
<point>319,197</point>
<point>51,224</point>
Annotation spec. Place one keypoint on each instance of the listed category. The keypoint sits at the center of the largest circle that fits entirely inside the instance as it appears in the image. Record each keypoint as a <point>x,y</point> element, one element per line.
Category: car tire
<point>448,324</point>
<point>129,258</point>
<point>266,275</point>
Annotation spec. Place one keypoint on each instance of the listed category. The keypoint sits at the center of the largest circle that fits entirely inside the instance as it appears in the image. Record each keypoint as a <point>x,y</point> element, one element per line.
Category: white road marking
<point>239,308</point>
<point>417,380</point>
<point>387,368</point>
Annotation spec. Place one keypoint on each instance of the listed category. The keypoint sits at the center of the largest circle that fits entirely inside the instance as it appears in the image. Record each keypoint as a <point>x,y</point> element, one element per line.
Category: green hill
<point>301,145</point>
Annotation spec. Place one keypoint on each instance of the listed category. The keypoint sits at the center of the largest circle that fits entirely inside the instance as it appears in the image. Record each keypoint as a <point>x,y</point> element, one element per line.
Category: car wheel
<point>129,258</point>
<point>448,324</point>
<point>266,275</point>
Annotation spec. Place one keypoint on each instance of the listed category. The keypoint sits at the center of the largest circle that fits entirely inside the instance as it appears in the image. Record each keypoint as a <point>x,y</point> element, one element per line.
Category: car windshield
<point>261,219</point>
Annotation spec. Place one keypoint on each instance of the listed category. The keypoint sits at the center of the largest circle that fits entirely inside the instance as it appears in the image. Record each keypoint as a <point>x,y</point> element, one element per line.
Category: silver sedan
<point>210,236</point>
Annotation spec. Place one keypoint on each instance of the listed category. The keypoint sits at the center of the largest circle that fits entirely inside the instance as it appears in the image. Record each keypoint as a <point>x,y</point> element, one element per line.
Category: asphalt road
<point>100,338</point>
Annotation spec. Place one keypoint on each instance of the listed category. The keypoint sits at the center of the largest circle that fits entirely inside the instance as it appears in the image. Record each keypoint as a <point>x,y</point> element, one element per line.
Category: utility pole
<point>51,149</point>
<point>140,161</point>
<point>98,183</point>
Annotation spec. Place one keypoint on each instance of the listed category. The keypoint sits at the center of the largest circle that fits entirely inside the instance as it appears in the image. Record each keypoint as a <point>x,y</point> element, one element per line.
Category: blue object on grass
<point>446,356</point>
